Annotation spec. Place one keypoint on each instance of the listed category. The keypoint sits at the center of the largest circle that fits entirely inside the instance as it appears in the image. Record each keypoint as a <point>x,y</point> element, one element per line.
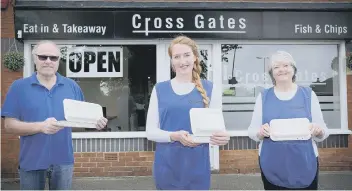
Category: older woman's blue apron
<point>177,167</point>
<point>289,164</point>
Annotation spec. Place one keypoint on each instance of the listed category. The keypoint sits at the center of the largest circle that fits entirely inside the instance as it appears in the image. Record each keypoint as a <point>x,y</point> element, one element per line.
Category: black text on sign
<point>94,62</point>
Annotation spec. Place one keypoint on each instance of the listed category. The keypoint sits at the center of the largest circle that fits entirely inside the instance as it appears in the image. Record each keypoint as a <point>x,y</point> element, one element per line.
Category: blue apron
<point>289,164</point>
<point>177,167</point>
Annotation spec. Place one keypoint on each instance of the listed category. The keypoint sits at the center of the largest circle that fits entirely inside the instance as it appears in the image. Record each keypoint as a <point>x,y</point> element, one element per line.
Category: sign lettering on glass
<point>94,62</point>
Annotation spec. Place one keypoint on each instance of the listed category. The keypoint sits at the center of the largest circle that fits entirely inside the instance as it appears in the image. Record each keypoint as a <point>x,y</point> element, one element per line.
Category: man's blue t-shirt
<point>28,101</point>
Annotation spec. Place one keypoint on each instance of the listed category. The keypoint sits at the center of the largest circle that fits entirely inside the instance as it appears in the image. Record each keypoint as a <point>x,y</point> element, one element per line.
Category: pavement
<point>327,181</point>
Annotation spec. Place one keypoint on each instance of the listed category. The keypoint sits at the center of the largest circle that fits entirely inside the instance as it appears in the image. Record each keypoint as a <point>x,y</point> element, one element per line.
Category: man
<point>31,107</point>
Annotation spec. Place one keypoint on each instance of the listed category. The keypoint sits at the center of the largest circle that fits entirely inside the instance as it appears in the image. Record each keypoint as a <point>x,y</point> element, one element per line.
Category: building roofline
<point>271,6</point>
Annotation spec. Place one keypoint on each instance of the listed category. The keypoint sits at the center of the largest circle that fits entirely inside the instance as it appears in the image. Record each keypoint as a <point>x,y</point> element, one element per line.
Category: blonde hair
<point>197,69</point>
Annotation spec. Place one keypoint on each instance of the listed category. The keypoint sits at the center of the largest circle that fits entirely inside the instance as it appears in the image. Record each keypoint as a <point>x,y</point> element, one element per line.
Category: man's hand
<point>101,123</point>
<point>184,138</point>
<point>48,126</point>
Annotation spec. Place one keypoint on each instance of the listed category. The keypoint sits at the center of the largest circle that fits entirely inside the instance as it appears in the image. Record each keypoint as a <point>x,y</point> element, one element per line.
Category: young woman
<point>287,164</point>
<point>180,163</point>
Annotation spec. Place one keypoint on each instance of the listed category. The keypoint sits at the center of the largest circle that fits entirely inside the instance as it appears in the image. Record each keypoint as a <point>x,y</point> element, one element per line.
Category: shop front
<point>118,55</point>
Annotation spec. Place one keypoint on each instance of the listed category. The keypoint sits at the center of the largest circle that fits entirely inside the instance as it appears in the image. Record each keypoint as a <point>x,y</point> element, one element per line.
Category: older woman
<point>289,164</point>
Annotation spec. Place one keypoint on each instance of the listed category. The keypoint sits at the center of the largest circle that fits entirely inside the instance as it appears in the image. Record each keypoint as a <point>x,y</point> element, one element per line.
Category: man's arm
<point>11,111</point>
<point>17,127</point>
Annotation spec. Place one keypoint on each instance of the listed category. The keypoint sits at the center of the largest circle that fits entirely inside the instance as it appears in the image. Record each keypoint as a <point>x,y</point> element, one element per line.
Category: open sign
<point>94,62</point>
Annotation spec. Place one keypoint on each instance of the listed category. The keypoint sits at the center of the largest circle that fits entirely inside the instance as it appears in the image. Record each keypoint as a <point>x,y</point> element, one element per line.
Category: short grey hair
<point>280,56</point>
<point>35,48</point>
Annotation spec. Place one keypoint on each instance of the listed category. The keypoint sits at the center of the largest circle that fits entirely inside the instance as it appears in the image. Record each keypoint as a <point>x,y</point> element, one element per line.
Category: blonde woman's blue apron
<point>177,167</point>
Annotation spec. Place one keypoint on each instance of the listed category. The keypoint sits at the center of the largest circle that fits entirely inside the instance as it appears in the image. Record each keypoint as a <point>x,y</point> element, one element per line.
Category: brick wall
<point>9,143</point>
<point>140,163</point>
<point>7,23</point>
<point>113,164</point>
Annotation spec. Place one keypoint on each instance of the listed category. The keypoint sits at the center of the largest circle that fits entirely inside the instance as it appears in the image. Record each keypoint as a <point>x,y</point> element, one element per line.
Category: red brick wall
<point>140,163</point>
<point>247,161</point>
<point>9,143</point>
<point>7,23</point>
<point>113,164</point>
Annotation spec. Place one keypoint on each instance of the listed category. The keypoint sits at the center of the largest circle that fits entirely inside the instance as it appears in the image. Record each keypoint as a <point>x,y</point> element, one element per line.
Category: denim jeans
<point>59,176</point>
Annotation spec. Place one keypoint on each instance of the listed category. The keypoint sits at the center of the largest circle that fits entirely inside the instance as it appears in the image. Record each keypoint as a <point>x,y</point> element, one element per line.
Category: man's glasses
<point>44,57</point>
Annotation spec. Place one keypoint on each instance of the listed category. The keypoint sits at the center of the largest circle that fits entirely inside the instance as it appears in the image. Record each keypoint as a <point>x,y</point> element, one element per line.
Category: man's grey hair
<point>35,48</point>
<point>282,56</point>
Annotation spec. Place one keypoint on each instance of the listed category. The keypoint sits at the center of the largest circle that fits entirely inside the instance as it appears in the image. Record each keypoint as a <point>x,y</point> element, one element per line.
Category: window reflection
<point>327,86</point>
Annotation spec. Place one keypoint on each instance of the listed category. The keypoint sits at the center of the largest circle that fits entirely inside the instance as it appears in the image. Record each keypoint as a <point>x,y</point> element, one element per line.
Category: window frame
<point>163,73</point>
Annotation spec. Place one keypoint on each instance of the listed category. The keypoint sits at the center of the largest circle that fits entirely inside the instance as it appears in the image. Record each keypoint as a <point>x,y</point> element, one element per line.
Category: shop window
<point>124,99</point>
<point>245,75</point>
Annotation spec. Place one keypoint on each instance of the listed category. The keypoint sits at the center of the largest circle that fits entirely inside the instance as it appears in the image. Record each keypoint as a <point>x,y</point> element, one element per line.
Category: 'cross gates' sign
<point>94,62</point>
